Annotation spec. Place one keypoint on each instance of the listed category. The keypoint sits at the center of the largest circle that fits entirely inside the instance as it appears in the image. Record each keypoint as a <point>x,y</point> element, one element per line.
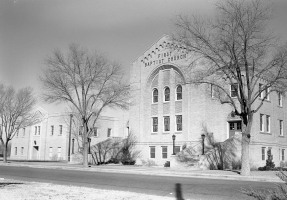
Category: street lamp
<point>202,137</point>
<point>70,132</point>
<point>89,140</point>
<point>173,147</point>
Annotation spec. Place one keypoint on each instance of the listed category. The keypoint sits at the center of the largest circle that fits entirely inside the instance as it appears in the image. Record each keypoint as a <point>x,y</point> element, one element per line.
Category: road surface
<point>192,188</point>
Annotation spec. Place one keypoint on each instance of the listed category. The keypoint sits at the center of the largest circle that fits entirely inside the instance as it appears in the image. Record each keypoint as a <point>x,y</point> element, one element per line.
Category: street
<point>192,188</point>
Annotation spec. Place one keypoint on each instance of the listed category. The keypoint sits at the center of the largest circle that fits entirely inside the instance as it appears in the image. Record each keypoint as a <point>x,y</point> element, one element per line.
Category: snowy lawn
<point>17,190</point>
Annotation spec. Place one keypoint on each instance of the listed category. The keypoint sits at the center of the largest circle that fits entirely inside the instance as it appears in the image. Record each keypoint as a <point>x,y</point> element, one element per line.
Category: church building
<point>166,109</point>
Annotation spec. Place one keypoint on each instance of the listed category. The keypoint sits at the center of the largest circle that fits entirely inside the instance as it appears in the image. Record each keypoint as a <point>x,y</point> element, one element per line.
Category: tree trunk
<point>246,134</point>
<point>5,152</point>
<point>85,145</point>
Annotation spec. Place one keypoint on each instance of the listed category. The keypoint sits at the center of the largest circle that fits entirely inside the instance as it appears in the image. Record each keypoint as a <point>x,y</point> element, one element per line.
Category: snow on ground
<point>17,190</point>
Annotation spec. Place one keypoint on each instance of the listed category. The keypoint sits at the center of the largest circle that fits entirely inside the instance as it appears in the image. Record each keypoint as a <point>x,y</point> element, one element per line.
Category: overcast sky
<point>122,29</point>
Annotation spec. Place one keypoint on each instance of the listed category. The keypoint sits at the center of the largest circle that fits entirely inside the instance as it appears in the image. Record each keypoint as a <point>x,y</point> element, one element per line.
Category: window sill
<point>165,133</point>
<point>280,106</point>
<point>265,133</point>
<point>178,132</point>
<point>154,133</point>
<point>178,100</point>
<point>154,103</point>
<point>281,136</point>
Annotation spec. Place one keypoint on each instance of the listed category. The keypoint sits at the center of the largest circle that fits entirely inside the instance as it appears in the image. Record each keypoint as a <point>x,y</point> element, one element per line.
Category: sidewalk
<point>261,176</point>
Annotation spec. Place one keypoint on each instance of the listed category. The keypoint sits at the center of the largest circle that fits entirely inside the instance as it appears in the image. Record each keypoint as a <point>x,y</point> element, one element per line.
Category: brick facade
<point>158,68</point>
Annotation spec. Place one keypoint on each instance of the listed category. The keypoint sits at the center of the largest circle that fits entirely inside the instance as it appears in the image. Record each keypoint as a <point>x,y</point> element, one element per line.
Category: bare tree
<point>236,49</point>
<point>88,82</point>
<point>16,112</point>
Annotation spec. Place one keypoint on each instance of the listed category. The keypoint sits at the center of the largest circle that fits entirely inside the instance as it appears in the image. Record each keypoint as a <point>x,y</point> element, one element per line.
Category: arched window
<point>155,96</point>
<point>179,92</point>
<point>166,94</point>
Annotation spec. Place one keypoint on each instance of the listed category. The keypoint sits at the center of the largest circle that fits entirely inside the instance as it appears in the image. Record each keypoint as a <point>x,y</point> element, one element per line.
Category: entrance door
<point>234,126</point>
<point>35,152</point>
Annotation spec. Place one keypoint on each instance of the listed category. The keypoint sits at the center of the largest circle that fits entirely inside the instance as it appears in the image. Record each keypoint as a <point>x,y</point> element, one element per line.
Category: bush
<point>269,163</point>
<point>167,164</point>
<point>280,193</point>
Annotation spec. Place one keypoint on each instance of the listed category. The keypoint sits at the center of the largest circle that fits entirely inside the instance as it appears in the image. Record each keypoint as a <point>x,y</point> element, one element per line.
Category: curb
<point>155,172</point>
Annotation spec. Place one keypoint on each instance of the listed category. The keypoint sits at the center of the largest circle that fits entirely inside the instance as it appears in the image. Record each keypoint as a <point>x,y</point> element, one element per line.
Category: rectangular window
<point>22,150</point>
<point>50,152</point>
<point>283,154</point>
<point>95,131</point>
<point>239,125</point>
<point>280,102</point>
<point>212,91</point>
<point>164,152</point>
<point>178,122</point>
<point>35,130</point>
<point>39,130</point>
<point>15,151</point>
<point>267,90</point>
<point>24,129</point>
<point>263,152</point>
<point>109,132</point>
<point>176,149</point>
<point>267,123</point>
<point>154,124</point>
<point>234,90</point>
<point>281,127</point>
<point>152,152</point>
<point>17,133</point>
<point>59,152</point>
<point>231,126</point>
<point>261,123</point>
<point>61,129</point>
<point>166,123</point>
<point>262,92</point>
<point>52,130</point>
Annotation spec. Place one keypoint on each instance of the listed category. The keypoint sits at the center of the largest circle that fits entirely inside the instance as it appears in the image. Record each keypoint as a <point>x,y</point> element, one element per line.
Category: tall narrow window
<point>267,123</point>
<point>280,99</point>
<point>179,92</point>
<point>59,153</point>
<point>267,91</point>
<point>263,153</point>
<point>50,152</point>
<point>154,124</point>
<point>39,130</point>
<point>35,130</point>
<point>164,151</point>
<point>95,130</point>
<point>261,91</point>
<point>52,130</point>
<point>24,129</point>
<point>234,90</point>
<point>283,154</point>
<point>152,152</point>
<point>15,151</point>
<point>281,127</point>
<point>155,96</point>
<point>178,122</point>
<point>166,123</point>
<point>166,94</point>
<point>109,132</point>
<point>60,129</point>
<point>22,151</point>
<point>261,123</point>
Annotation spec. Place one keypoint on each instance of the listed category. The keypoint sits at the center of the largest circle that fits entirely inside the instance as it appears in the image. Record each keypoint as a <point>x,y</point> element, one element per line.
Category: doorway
<point>35,153</point>
<point>234,126</point>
